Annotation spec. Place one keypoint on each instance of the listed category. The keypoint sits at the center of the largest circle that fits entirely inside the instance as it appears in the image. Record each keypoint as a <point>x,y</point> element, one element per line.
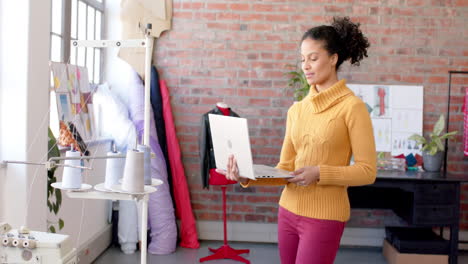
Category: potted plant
<point>433,147</point>
<point>298,82</point>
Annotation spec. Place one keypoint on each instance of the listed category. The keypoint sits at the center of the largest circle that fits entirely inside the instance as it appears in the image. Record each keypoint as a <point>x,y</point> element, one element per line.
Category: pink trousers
<point>304,240</point>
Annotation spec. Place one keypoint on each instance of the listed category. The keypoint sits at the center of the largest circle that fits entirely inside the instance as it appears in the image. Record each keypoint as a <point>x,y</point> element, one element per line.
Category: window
<point>71,20</point>
<point>77,19</point>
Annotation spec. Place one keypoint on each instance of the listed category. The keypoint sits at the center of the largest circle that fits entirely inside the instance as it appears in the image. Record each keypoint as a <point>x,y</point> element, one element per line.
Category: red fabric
<point>188,231</point>
<point>419,160</point>
<point>465,112</point>
<point>381,94</point>
<point>223,110</point>
<point>218,179</point>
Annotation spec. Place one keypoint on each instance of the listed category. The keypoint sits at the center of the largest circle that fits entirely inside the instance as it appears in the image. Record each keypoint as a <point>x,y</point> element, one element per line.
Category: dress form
<point>216,178</point>
<point>225,251</point>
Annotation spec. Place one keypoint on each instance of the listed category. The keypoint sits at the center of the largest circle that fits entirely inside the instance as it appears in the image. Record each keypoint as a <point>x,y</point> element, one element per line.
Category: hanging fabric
<point>188,230</point>
<point>160,206</point>
<point>157,105</point>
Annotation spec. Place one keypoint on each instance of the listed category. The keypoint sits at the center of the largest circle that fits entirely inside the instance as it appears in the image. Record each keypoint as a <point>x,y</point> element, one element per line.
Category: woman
<point>323,131</point>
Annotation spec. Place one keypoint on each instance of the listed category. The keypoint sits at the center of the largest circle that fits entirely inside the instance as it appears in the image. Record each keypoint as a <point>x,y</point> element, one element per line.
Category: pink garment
<point>188,231</point>
<point>307,240</point>
<point>465,112</point>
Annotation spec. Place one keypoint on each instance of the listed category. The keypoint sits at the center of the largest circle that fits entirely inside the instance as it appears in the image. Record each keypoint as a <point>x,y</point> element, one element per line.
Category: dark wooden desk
<point>422,199</point>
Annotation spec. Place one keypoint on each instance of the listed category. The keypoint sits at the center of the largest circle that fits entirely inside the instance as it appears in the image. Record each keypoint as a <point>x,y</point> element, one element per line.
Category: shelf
<point>105,195</point>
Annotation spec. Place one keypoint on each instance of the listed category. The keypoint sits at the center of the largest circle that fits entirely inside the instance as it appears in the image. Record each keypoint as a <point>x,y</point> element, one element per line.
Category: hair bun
<point>354,44</point>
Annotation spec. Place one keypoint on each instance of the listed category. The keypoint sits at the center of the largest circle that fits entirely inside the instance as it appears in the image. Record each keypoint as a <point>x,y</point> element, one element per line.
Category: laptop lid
<point>230,135</point>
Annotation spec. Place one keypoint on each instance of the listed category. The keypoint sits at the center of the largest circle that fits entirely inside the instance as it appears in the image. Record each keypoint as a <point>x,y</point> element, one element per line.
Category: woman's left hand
<point>305,176</point>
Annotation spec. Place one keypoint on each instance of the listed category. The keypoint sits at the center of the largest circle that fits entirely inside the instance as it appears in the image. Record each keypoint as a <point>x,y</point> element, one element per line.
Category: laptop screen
<point>230,135</point>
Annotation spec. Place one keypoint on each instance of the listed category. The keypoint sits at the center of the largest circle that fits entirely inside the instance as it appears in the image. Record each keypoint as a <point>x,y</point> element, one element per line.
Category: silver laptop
<point>230,135</point>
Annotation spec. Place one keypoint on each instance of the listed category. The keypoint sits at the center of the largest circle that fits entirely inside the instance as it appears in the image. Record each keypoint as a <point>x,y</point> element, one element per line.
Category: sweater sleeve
<point>288,152</point>
<point>361,136</point>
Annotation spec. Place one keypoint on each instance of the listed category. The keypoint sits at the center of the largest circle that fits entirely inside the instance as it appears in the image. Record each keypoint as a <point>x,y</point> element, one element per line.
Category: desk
<point>422,199</point>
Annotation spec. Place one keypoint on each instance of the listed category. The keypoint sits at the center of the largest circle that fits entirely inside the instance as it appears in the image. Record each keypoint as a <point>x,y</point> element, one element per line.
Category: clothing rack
<point>446,131</point>
<point>448,115</point>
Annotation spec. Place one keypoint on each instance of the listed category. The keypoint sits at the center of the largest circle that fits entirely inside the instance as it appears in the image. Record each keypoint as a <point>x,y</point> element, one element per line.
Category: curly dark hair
<point>342,37</point>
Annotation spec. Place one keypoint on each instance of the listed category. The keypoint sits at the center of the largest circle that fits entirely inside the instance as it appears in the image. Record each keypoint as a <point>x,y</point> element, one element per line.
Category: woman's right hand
<point>232,172</point>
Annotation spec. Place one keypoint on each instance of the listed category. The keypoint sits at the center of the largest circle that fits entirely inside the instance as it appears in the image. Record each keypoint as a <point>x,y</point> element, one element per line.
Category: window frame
<point>66,37</point>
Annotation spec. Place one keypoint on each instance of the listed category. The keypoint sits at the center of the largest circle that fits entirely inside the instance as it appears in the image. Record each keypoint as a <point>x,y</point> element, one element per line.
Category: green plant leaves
<point>420,140</point>
<point>439,126</point>
<point>49,205</point>
<point>438,142</point>
<point>54,207</point>
<point>61,224</point>
<point>449,135</point>
<point>52,146</point>
<point>58,197</point>
<point>435,141</point>
<point>298,82</point>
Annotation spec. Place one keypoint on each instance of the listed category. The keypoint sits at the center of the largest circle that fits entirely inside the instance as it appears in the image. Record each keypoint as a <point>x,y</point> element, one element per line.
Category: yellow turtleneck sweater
<point>325,129</point>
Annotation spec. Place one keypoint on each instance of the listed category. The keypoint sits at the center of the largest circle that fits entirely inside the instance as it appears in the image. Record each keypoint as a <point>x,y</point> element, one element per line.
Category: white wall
<point>24,56</point>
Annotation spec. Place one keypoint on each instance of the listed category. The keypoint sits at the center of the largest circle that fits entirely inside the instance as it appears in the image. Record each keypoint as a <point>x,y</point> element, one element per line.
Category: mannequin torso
<point>216,178</point>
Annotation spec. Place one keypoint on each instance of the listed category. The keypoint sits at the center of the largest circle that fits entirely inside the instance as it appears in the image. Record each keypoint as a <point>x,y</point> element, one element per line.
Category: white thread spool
<point>17,242</point>
<point>31,244</point>
<point>133,178</point>
<point>114,170</point>
<point>7,241</point>
<point>72,176</point>
<point>147,160</point>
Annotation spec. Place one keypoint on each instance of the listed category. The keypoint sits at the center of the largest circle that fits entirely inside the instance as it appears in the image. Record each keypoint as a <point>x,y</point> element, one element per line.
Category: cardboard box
<point>392,256</point>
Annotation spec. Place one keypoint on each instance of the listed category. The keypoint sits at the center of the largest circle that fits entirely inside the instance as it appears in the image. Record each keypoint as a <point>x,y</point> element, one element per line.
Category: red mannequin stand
<point>225,251</point>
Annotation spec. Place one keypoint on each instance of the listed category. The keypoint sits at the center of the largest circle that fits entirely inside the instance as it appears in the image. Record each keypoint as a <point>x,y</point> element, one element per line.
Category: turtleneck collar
<point>328,97</point>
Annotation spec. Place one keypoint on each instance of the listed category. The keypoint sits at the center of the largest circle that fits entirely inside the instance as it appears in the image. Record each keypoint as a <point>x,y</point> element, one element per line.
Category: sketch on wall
<point>383,133</point>
<point>396,112</point>
<point>381,104</point>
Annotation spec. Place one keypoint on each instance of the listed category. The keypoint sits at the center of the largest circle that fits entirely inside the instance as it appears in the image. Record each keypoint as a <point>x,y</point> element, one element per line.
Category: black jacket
<point>157,105</point>
<point>205,145</point>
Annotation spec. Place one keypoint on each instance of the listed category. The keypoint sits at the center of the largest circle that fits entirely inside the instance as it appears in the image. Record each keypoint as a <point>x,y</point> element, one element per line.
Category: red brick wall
<point>237,51</point>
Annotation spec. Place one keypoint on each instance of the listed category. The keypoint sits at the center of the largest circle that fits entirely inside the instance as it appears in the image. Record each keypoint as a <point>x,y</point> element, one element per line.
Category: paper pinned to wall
<point>397,113</point>
<point>73,97</point>
<point>383,133</point>
<point>407,97</point>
